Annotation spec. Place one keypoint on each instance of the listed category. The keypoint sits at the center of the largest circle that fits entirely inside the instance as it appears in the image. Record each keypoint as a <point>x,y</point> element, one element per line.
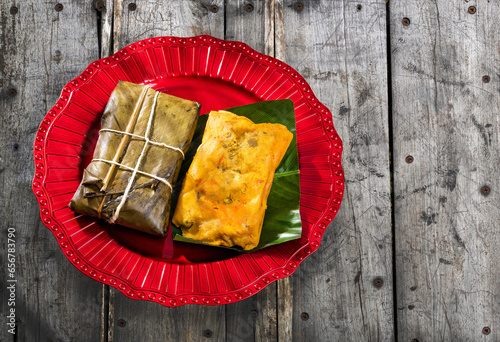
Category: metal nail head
<point>254,313</point>
<point>249,8</point>
<point>298,6</point>
<point>304,316</point>
<point>122,323</point>
<point>409,159</point>
<point>59,7</point>
<point>207,333</point>
<point>472,9</point>
<point>485,190</point>
<point>99,6</point>
<point>359,7</point>
<point>14,10</point>
<point>406,21</point>
<point>132,6</point>
<point>486,330</point>
<point>214,8</point>
<point>378,282</point>
<point>486,79</point>
<point>12,92</point>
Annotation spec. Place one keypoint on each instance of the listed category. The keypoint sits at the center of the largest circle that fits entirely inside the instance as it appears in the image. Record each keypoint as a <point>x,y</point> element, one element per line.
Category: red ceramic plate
<point>218,74</point>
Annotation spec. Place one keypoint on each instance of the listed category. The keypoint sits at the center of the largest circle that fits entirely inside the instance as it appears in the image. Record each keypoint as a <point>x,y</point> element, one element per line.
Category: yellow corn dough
<point>224,195</point>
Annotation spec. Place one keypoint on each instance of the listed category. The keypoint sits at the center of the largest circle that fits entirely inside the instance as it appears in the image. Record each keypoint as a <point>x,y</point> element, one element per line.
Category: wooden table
<point>414,91</point>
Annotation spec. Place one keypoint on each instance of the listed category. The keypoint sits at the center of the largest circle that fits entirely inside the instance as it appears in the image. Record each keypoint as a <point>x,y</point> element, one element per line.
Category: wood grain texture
<point>255,27</point>
<point>153,18</point>
<point>145,320</point>
<point>106,28</point>
<point>446,117</point>
<point>341,52</point>
<point>41,50</point>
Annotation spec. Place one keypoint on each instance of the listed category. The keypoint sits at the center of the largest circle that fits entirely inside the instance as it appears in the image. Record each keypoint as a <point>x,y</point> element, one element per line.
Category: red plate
<point>218,74</point>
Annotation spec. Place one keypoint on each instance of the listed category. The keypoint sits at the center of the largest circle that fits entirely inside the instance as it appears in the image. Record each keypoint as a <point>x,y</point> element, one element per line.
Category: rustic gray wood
<point>41,50</point>
<point>154,18</point>
<point>443,114</point>
<point>151,321</point>
<point>251,22</point>
<point>341,51</point>
<point>446,117</point>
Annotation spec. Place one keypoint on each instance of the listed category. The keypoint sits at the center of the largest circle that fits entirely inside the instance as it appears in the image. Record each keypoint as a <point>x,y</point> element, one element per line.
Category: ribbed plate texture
<point>219,74</point>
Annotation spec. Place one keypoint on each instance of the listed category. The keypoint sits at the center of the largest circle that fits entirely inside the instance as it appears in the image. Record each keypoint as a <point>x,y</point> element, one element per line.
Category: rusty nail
<point>298,6</point>
<point>485,190</point>
<point>12,92</point>
<point>406,22</point>
<point>378,282</point>
<point>254,313</point>
<point>122,323</point>
<point>132,6</point>
<point>99,6</point>
<point>486,79</point>
<point>304,316</point>
<point>214,8</point>
<point>15,147</point>
<point>409,159</point>
<point>249,8</point>
<point>486,330</point>
<point>359,7</point>
<point>14,10</point>
<point>59,7</point>
<point>472,9</point>
<point>207,333</point>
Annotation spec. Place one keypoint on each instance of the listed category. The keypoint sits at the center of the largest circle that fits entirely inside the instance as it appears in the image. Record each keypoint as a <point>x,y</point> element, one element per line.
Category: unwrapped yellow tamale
<point>129,180</point>
<point>224,195</point>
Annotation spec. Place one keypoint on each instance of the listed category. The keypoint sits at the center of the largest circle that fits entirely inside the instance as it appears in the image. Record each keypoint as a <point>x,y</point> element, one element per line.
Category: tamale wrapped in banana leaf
<point>144,135</point>
<point>224,195</point>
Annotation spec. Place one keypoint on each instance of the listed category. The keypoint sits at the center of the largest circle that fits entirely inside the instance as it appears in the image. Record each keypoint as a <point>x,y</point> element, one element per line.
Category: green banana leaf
<point>282,219</point>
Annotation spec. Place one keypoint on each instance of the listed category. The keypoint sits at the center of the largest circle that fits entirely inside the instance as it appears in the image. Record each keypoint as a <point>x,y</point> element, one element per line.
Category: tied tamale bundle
<point>144,135</point>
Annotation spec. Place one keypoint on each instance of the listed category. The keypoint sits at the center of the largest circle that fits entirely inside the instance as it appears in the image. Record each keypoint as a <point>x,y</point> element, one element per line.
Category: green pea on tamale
<point>144,135</point>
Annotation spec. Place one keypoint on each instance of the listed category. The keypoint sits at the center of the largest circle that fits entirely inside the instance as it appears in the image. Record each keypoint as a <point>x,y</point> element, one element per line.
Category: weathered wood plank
<point>446,117</point>
<point>41,50</point>
<point>251,22</point>
<point>341,51</point>
<point>151,321</point>
<point>254,319</point>
<point>153,18</point>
